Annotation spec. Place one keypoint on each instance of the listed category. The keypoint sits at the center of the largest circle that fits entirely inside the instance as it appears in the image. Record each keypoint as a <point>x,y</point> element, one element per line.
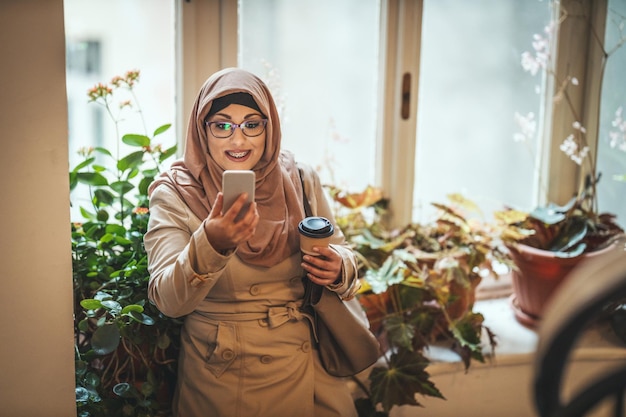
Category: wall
<point>36,352</point>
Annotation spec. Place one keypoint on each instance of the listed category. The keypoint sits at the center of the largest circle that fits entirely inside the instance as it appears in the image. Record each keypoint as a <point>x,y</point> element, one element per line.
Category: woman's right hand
<point>221,229</point>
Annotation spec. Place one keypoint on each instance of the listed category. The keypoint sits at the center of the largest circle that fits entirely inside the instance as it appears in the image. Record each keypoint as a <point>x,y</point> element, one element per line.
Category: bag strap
<point>312,291</point>
<point>307,207</point>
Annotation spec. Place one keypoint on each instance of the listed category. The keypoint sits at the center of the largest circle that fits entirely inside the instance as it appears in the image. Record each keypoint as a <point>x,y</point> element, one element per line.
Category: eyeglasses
<point>224,130</point>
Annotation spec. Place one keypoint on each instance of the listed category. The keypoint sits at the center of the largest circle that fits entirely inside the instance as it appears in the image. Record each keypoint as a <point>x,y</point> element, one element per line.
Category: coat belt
<point>275,316</point>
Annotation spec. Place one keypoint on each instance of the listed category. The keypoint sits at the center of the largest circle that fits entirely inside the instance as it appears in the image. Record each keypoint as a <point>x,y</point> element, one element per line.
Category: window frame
<point>203,26</point>
<point>565,177</point>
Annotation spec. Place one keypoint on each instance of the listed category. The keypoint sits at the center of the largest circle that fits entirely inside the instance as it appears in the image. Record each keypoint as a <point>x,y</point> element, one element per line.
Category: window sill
<point>502,385</point>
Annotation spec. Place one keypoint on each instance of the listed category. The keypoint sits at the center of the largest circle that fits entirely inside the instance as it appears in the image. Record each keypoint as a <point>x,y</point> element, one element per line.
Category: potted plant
<point>125,348</point>
<point>417,288</point>
<point>549,241</point>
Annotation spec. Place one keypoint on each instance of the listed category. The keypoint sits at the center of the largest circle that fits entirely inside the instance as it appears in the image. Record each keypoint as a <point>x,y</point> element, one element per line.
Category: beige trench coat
<point>246,349</point>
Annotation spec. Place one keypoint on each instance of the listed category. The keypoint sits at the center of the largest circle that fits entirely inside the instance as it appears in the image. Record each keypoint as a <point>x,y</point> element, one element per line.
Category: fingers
<point>224,231</point>
<point>232,214</point>
<point>218,204</point>
<point>324,269</point>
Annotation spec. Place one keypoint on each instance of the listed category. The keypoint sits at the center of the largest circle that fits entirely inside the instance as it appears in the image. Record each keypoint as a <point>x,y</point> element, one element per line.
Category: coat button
<point>255,290</point>
<point>306,346</point>
<point>228,355</point>
<point>266,359</point>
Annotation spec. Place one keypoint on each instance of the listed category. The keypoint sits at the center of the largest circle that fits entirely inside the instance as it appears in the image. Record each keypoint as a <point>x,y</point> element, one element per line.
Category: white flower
<point>576,125</point>
<point>529,63</point>
<point>527,124</point>
<point>570,148</point>
<point>533,62</point>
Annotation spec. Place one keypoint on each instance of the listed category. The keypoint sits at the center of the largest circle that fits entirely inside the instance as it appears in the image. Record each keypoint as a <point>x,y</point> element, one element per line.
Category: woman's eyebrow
<point>226,116</point>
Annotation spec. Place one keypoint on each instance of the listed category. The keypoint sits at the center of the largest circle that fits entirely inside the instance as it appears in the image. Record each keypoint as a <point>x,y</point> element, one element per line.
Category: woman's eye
<point>251,125</point>
<point>223,126</point>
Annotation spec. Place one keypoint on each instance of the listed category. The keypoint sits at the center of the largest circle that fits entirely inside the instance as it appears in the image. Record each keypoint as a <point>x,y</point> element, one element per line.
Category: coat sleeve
<point>183,265</point>
<point>320,206</point>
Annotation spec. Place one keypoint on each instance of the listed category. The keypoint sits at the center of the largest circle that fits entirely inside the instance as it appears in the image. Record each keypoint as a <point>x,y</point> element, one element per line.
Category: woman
<point>246,350</point>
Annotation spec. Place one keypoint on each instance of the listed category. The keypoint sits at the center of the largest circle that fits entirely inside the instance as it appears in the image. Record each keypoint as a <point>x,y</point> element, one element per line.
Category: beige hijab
<point>198,178</point>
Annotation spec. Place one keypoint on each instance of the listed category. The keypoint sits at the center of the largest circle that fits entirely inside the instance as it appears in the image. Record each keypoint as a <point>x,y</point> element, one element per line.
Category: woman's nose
<point>238,135</point>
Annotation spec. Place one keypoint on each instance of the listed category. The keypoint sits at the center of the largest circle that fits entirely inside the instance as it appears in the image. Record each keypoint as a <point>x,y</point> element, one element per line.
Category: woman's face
<point>237,151</point>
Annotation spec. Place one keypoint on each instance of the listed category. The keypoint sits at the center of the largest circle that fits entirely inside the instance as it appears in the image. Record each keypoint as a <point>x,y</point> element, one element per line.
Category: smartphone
<point>234,183</point>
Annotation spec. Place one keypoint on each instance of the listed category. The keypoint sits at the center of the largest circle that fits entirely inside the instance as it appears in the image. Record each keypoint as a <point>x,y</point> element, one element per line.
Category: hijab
<point>197,178</point>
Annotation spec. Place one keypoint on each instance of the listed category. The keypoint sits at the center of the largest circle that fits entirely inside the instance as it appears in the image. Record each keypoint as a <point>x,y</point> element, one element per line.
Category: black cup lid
<point>316,227</point>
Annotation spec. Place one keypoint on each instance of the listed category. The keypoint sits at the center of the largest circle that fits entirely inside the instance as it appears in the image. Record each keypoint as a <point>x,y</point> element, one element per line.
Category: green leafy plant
<point>125,348</point>
<point>567,231</point>
<point>418,289</point>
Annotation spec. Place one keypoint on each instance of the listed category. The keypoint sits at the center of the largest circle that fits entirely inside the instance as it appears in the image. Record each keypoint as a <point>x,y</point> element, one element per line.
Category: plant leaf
<point>570,235</point>
<point>105,339</point>
<point>91,178</point>
<point>553,213</point>
<point>461,201</point>
<point>90,304</point>
<point>390,273</point>
<point>102,150</point>
<point>577,251</point>
<point>144,184</point>
<point>163,342</point>
<point>116,229</point>
<point>141,318</point>
<point>167,153</point>
<point>83,164</point>
<point>122,187</point>
<point>132,307</point>
<point>82,395</point>
<point>111,305</point>
<point>161,129</point>
<point>125,390</point>
<point>405,377</point>
<point>136,140</point>
<point>103,197</point>
<point>400,333</point>
<point>131,160</point>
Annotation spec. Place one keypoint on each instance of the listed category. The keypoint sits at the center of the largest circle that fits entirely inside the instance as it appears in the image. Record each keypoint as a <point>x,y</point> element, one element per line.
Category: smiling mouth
<point>238,155</point>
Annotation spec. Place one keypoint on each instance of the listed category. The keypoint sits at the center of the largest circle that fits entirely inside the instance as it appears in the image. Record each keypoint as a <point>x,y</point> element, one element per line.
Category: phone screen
<point>234,183</point>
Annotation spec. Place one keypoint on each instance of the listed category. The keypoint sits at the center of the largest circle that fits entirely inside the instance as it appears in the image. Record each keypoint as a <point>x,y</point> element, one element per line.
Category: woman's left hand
<point>324,269</point>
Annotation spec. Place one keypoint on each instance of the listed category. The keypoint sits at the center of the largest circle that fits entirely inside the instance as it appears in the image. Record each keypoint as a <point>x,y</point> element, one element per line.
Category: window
<point>325,72</point>
<point>612,132</point>
<point>471,85</point>
<point>83,57</point>
<point>320,60</point>
<point>105,39</point>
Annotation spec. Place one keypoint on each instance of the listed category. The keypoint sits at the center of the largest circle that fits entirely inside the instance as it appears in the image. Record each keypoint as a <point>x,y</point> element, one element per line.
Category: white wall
<point>36,347</point>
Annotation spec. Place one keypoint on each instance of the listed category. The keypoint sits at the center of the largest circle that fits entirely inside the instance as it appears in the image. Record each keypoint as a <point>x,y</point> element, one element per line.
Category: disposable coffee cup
<point>314,231</point>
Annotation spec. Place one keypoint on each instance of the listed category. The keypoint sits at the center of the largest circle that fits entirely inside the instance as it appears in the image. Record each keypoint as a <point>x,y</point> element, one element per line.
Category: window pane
<point>612,132</point>
<point>471,85</point>
<point>320,59</point>
<point>107,38</point>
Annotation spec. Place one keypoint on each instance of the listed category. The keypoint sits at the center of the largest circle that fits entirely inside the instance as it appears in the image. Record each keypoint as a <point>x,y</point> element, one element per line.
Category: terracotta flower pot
<point>538,276</point>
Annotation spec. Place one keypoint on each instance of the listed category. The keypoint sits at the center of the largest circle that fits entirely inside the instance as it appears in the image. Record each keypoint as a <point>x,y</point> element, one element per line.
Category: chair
<point>577,303</point>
